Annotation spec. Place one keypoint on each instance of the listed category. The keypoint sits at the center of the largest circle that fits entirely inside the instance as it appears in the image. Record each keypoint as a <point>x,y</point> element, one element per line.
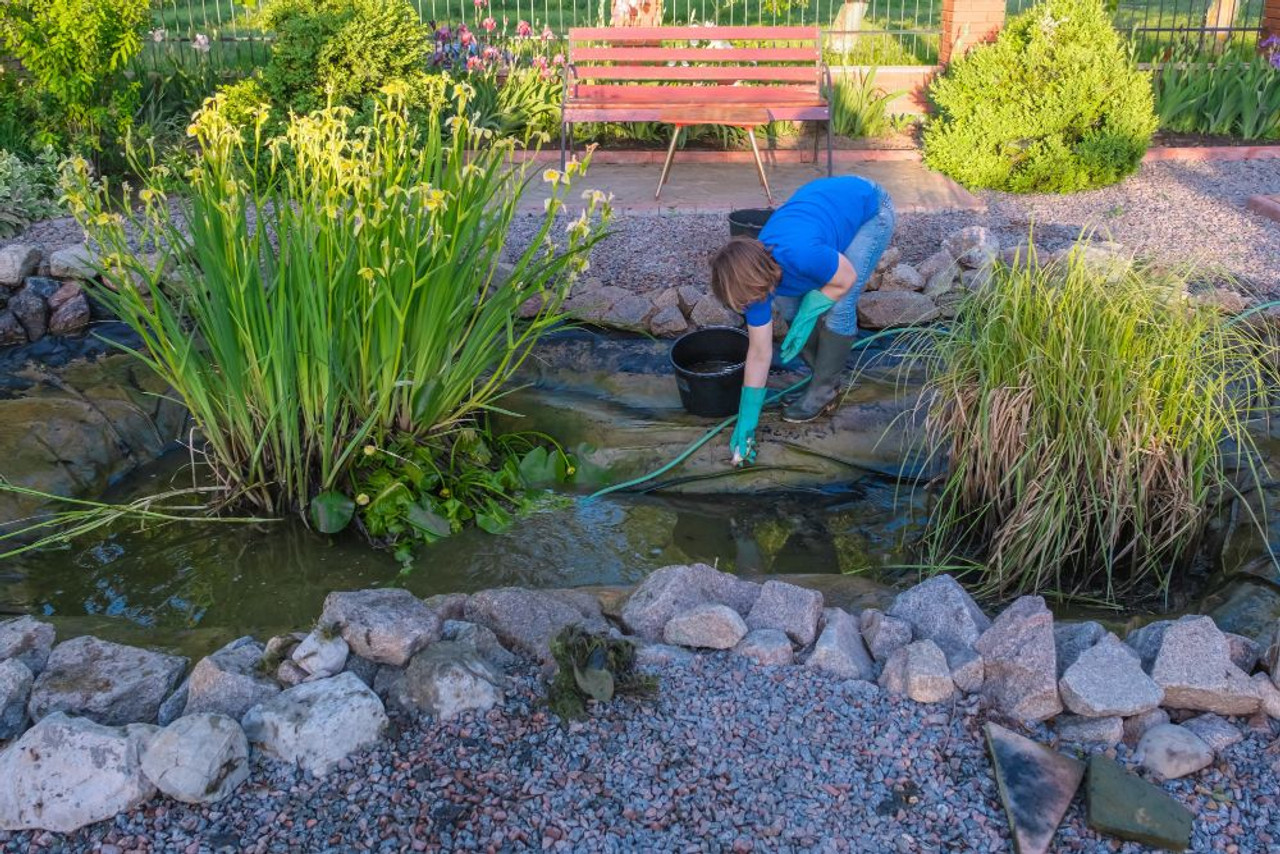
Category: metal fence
<point>219,34</point>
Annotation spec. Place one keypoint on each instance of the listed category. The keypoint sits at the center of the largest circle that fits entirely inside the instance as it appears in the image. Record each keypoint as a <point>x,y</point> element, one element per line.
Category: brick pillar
<point>969,22</point>
<point>1271,17</point>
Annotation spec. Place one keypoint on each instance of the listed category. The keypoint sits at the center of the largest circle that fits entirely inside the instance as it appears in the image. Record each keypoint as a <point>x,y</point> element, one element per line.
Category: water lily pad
<point>331,512</point>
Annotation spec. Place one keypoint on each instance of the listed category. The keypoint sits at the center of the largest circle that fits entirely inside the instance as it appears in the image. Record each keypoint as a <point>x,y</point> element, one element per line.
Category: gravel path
<point>1176,211</point>
<point>728,757</point>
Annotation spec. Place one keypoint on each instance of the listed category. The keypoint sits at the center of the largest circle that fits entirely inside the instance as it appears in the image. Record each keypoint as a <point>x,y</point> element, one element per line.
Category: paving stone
<point>1125,806</point>
<point>1036,785</point>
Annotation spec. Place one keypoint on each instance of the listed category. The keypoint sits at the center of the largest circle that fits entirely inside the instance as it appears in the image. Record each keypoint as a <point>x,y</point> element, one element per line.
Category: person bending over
<point>813,258</point>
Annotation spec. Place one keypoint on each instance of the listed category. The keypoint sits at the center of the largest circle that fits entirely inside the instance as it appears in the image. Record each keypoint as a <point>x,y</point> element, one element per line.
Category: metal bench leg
<point>564,133</point>
<point>666,166</point>
<point>815,144</point>
<point>830,167</point>
<point>755,149</point>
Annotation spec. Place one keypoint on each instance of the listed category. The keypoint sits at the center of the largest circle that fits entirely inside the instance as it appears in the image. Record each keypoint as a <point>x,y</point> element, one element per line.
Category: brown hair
<point>743,272</point>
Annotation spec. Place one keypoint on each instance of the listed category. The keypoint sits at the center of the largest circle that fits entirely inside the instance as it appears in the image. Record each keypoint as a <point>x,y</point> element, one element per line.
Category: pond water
<point>194,586</point>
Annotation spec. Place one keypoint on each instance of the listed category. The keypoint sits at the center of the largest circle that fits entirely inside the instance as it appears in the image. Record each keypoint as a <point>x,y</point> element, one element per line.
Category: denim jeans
<point>864,253</point>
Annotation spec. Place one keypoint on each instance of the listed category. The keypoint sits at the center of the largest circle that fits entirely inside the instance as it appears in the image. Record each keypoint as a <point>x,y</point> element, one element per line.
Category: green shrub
<point>1085,412</point>
<point>28,190</point>
<point>75,53</point>
<point>1225,95</point>
<point>1054,105</point>
<point>341,51</point>
<point>338,293</point>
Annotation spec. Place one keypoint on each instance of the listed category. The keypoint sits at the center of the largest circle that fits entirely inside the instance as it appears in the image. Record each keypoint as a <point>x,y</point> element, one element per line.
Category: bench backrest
<point>789,57</point>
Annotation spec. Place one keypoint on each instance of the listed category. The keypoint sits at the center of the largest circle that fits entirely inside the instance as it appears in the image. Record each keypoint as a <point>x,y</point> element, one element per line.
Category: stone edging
<point>312,699</point>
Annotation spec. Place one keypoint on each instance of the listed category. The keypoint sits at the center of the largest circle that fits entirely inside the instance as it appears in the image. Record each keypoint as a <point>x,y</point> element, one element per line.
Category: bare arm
<point>759,355</point>
<point>844,279</point>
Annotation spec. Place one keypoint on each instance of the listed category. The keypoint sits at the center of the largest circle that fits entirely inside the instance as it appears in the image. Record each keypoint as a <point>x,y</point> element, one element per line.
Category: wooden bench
<point>736,76</point>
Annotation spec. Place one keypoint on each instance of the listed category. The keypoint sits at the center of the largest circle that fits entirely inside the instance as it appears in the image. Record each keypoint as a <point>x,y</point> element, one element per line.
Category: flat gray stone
<point>67,772</point>
<point>1075,729</point>
<point>317,724</point>
<point>788,608</point>
<point>706,626</point>
<point>1170,751</point>
<point>883,634</point>
<point>444,680</point>
<point>1125,806</point>
<point>766,647</point>
<point>526,621</point>
<point>28,640</point>
<point>940,610</point>
<point>839,650</point>
<point>918,671</point>
<point>1194,667</point>
<point>672,589</point>
<point>198,759</point>
<point>108,683</point>
<point>15,692</point>
<point>387,625</point>
<point>229,681</point>
<point>1020,663</point>
<point>1217,732</point>
<point>1107,679</point>
<point>1071,639</point>
<point>1036,785</point>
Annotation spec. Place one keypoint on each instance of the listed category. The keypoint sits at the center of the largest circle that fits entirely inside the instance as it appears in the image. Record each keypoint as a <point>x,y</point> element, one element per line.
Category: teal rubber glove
<point>743,441</point>
<point>814,305</point>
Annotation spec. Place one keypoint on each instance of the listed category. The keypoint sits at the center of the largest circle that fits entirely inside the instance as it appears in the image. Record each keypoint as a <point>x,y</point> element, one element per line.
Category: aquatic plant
<point>1090,415</point>
<point>593,667</point>
<point>337,289</point>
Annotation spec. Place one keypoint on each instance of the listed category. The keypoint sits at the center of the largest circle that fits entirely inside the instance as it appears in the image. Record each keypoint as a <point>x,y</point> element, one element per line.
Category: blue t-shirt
<point>807,234</point>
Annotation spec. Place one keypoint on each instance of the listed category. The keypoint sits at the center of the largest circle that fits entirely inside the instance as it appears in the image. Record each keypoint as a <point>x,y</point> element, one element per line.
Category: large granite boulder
<point>1107,679</point>
<point>66,772</point>
<point>1195,670</point>
<point>15,692</point>
<point>706,626</point>
<point>791,609</point>
<point>940,610</point>
<point>1020,662</point>
<point>840,651</point>
<point>317,724</point>
<point>198,759</point>
<point>230,681</point>
<point>109,683</point>
<point>672,589</point>
<point>527,620</point>
<point>444,680</point>
<point>386,625</point>
<point>28,640</point>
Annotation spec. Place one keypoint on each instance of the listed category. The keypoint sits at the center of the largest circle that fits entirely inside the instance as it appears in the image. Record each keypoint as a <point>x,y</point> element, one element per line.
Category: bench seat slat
<point>658,113</point>
<point>694,54</point>
<point>785,73</point>
<point>652,34</point>
<point>640,94</point>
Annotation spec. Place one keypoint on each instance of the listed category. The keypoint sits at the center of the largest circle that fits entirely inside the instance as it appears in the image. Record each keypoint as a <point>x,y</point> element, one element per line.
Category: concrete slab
<point>723,187</point>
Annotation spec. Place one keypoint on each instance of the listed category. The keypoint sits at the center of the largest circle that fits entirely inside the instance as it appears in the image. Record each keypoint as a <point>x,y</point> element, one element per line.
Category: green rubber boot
<point>828,365</point>
<point>808,355</point>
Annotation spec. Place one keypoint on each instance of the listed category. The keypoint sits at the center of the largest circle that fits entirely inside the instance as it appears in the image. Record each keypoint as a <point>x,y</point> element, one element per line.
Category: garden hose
<point>714,431</point>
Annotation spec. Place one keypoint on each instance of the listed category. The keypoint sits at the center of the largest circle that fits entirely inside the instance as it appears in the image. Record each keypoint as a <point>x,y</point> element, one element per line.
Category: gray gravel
<point>728,757</point>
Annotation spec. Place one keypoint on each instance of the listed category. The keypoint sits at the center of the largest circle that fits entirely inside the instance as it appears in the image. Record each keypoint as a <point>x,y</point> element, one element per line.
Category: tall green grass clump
<point>860,108</point>
<point>1083,410</point>
<point>1054,105</point>
<point>336,297</point>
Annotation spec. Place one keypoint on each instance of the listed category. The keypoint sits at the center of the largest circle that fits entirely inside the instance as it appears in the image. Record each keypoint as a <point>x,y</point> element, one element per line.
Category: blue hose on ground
<point>714,431</point>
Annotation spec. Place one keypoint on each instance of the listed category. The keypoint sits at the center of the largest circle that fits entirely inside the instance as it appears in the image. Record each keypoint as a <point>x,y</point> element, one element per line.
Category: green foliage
<point>859,108</point>
<point>1054,105</point>
<point>341,51</point>
<point>28,190</point>
<point>593,667</point>
<point>336,289</point>
<point>75,53</point>
<point>1228,95</point>
<point>1084,409</point>
<point>518,102</point>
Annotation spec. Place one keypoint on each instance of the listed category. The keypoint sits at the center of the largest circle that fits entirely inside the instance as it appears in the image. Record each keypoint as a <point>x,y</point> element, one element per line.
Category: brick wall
<point>969,22</point>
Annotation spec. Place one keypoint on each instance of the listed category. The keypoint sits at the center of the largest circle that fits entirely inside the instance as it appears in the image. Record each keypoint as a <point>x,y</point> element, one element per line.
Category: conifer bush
<point>1055,104</point>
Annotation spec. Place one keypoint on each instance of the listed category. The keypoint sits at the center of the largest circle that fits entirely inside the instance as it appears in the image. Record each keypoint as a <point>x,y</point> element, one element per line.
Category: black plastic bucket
<point>709,365</point>
<point>748,221</point>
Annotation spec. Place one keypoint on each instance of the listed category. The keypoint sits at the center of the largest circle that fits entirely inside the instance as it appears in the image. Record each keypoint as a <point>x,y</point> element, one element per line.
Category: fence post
<point>966,23</point>
<point>1271,17</point>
